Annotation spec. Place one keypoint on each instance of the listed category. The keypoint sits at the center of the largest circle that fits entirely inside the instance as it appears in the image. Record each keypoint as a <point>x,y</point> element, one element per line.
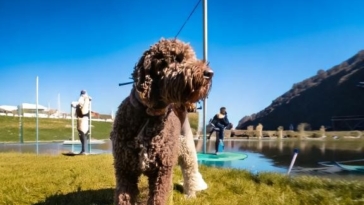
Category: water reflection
<point>43,148</point>
<point>281,151</point>
<point>276,155</point>
<point>53,148</point>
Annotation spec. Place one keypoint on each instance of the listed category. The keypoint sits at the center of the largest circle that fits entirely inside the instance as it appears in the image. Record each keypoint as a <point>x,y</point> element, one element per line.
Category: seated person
<point>212,129</point>
<point>220,121</point>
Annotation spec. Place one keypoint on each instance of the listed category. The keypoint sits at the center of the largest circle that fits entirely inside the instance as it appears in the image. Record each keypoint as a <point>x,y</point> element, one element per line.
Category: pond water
<point>263,155</point>
<point>276,155</point>
<point>53,148</point>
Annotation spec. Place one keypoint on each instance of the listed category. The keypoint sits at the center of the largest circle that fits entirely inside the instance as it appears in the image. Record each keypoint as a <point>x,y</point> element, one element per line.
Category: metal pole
<point>89,130</point>
<point>73,124</point>
<point>205,60</point>
<point>20,113</point>
<point>22,124</point>
<point>59,105</point>
<point>36,108</point>
<point>73,127</point>
<point>19,123</point>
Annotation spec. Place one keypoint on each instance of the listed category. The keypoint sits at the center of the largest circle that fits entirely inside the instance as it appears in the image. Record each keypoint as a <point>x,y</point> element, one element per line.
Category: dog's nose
<point>208,74</point>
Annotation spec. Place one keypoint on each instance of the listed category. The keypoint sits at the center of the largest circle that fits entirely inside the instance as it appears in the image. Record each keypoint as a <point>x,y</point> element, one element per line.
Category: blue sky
<point>258,49</point>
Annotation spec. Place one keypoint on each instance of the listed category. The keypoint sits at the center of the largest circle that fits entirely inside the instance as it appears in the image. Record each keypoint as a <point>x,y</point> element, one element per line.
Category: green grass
<point>49,129</point>
<point>43,179</point>
<point>57,129</point>
<point>193,118</point>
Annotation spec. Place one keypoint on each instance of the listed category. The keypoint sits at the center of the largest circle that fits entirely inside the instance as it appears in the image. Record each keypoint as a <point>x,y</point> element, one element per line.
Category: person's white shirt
<point>84,102</point>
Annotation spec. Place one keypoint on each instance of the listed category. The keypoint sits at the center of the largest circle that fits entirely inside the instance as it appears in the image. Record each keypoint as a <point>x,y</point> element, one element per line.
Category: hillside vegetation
<point>317,99</point>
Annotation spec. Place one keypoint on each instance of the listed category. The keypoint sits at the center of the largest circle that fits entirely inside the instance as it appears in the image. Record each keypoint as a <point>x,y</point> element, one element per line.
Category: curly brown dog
<point>147,126</point>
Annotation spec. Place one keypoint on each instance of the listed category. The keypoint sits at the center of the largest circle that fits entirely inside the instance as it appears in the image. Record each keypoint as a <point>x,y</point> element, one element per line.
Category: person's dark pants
<point>83,140</point>
<point>220,136</point>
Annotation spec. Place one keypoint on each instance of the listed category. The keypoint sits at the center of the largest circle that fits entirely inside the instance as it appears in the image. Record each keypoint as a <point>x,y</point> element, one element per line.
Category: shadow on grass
<point>90,197</point>
<point>84,197</point>
<point>178,187</point>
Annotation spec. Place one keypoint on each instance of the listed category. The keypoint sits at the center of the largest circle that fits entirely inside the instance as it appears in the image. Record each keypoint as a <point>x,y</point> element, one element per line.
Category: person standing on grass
<point>83,116</point>
<point>220,121</point>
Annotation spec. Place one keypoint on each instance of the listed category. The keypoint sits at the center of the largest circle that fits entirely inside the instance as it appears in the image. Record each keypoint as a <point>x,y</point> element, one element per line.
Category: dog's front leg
<point>126,190</point>
<point>160,186</point>
<point>127,178</point>
<point>192,179</point>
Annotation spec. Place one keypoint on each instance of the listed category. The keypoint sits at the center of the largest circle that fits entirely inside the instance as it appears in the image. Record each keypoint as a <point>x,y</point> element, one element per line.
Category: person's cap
<point>83,92</point>
<point>223,108</point>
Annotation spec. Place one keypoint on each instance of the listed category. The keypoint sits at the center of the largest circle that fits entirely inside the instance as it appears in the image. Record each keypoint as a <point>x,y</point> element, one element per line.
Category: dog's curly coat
<point>148,123</point>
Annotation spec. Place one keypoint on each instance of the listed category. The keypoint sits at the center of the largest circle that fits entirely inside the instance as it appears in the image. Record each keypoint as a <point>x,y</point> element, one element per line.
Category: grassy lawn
<point>193,118</point>
<point>56,129</point>
<point>49,129</point>
<point>31,179</point>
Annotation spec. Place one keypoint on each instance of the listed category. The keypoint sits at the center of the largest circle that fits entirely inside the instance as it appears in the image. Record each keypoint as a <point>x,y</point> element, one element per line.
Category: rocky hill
<point>316,100</point>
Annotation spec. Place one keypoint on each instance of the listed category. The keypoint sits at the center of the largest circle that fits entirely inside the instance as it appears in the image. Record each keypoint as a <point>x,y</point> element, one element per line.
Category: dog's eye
<point>158,65</point>
<point>162,64</point>
<point>158,55</point>
<point>179,57</point>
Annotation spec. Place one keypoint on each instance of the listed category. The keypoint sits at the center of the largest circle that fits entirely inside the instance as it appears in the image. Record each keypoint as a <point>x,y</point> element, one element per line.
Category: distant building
<point>8,109</point>
<point>30,110</point>
<point>27,109</point>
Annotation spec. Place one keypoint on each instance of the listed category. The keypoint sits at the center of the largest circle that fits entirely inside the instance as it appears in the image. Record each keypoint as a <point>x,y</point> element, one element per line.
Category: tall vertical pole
<point>36,109</point>
<point>73,123</point>
<point>19,124</point>
<point>205,59</point>
<point>59,105</point>
<point>89,129</point>
<point>21,133</point>
<point>73,127</point>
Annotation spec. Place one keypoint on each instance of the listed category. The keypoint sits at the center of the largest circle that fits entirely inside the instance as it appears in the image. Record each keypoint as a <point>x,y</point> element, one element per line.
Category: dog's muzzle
<point>207,74</point>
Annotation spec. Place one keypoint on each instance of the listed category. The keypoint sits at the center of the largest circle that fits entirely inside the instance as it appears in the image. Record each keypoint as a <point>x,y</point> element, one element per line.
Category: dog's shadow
<point>81,197</point>
<point>88,197</point>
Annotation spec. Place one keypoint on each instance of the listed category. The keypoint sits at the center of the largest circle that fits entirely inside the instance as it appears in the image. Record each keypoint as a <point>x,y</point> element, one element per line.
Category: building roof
<point>28,106</point>
<point>8,108</point>
<point>33,106</point>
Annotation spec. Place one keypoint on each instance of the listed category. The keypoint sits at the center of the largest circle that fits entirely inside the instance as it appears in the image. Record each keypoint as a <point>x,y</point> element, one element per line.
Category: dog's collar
<point>156,112</point>
<point>137,102</point>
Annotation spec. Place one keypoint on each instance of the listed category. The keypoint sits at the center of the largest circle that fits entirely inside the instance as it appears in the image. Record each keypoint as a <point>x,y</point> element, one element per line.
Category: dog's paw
<point>200,183</point>
<point>190,196</point>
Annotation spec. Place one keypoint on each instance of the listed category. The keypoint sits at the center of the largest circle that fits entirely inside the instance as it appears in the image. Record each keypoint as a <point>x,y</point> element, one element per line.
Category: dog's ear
<point>141,77</point>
